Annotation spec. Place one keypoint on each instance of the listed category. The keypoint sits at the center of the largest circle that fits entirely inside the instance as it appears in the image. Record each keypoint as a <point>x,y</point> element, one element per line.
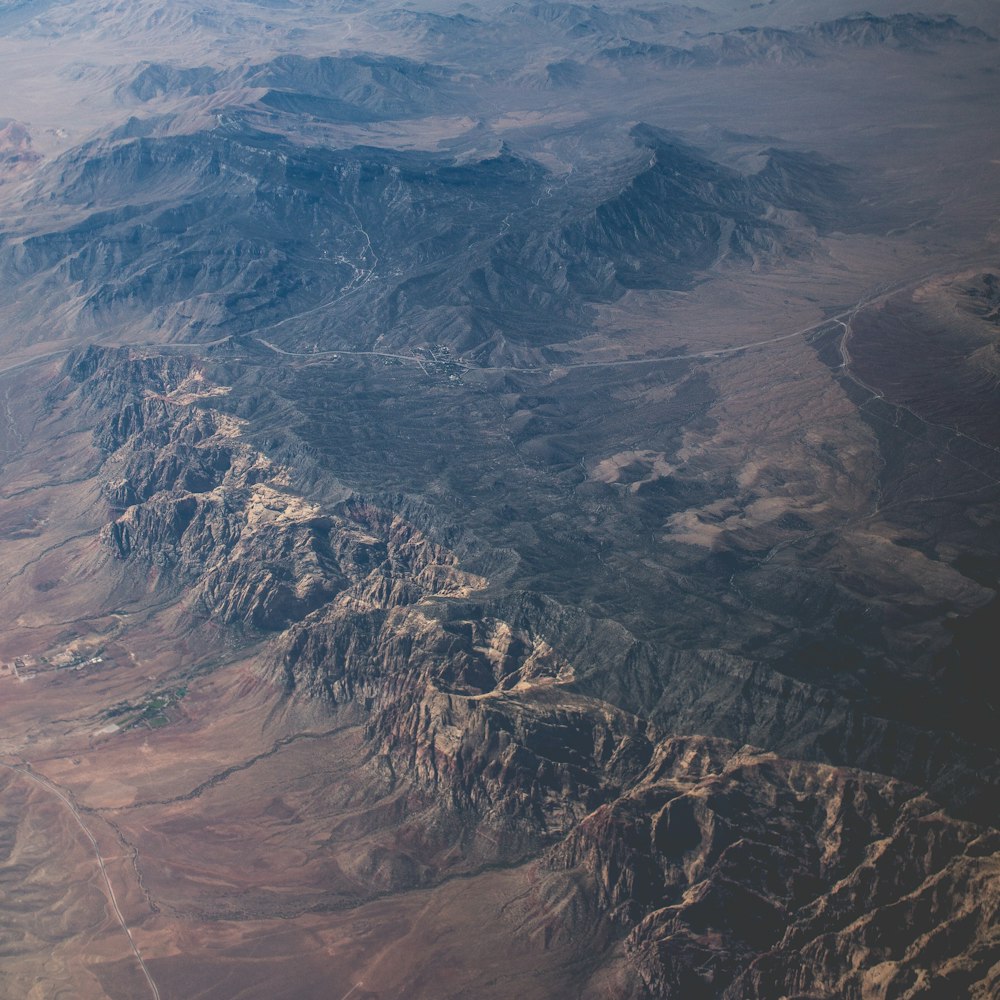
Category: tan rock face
<point>198,501</point>
<point>528,525</point>
<point>745,875</point>
<point>711,870</point>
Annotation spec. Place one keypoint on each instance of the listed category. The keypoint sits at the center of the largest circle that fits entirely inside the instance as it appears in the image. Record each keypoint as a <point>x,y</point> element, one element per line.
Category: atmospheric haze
<point>499,500</point>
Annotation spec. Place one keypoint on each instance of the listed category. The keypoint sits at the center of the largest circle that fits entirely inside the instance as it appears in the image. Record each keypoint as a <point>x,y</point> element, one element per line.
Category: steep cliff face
<point>371,617</point>
<point>478,711</point>
<point>218,517</point>
<point>722,871</point>
<point>744,875</point>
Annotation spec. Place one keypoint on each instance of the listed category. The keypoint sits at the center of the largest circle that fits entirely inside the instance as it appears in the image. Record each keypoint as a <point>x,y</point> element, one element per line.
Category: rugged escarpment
<point>477,710</point>
<point>217,516</point>
<point>370,617</point>
<point>368,610</point>
<point>719,870</point>
<point>741,874</point>
<point>307,227</point>
<point>527,525</point>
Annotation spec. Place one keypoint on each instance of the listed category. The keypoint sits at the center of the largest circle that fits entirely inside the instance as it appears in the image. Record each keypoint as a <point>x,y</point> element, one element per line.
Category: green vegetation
<point>152,711</point>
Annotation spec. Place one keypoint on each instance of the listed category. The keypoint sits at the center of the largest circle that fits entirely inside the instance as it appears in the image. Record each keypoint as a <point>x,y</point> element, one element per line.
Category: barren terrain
<point>499,501</point>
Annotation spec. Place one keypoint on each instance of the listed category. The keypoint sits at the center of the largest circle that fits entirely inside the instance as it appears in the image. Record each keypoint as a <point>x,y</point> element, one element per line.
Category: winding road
<point>877,295</point>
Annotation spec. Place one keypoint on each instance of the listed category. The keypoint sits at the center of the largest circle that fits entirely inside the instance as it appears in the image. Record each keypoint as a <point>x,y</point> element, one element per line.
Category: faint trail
<point>362,276</point>
<point>49,786</point>
<point>718,352</point>
<point>869,299</point>
<point>51,548</point>
<point>877,394</point>
<point>879,294</point>
<point>37,359</point>
<point>351,990</point>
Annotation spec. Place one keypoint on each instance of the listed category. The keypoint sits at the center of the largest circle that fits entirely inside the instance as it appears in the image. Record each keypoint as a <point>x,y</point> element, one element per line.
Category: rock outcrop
<point>740,874</point>
<point>218,517</point>
<point>526,731</point>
